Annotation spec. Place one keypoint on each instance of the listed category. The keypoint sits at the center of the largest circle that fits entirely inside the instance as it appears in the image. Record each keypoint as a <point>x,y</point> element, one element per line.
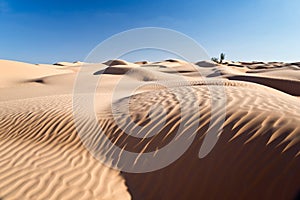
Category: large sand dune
<point>257,155</point>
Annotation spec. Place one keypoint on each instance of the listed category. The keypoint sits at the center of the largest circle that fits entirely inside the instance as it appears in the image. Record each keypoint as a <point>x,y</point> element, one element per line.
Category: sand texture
<point>256,156</point>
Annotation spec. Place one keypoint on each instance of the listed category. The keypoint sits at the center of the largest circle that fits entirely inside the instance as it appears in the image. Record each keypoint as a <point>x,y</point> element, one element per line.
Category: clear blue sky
<point>44,31</point>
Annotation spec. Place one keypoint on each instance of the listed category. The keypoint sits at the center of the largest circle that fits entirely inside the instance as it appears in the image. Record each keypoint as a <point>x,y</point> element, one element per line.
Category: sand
<point>257,154</point>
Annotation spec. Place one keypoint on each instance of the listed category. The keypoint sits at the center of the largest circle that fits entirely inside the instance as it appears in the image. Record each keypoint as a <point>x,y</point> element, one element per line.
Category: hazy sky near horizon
<point>64,30</point>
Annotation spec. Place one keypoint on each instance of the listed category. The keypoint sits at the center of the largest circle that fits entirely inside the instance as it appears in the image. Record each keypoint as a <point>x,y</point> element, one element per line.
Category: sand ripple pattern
<point>42,157</point>
<point>258,149</point>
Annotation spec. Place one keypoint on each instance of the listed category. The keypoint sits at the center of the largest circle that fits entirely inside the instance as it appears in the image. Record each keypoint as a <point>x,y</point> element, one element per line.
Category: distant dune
<point>257,155</point>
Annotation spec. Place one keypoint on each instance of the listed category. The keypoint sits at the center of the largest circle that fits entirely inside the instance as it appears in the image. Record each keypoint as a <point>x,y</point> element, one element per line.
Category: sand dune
<point>115,62</point>
<point>42,156</point>
<point>257,155</point>
<point>281,76</point>
<point>13,73</point>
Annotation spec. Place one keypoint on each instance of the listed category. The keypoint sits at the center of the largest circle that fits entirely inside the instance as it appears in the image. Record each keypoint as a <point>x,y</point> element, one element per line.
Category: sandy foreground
<point>257,155</point>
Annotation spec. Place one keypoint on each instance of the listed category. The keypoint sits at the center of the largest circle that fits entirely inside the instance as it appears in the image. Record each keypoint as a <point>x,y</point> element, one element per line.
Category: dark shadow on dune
<point>234,65</point>
<point>205,64</point>
<point>38,81</point>
<point>233,170</point>
<point>115,62</point>
<point>179,71</point>
<point>291,87</point>
<point>259,67</point>
<point>214,74</point>
<point>296,63</point>
<point>172,60</point>
<point>253,63</point>
<point>112,71</point>
<point>141,62</point>
<point>58,64</point>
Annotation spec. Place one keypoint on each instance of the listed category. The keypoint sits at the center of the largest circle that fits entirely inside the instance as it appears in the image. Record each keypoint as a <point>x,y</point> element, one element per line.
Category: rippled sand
<point>257,154</point>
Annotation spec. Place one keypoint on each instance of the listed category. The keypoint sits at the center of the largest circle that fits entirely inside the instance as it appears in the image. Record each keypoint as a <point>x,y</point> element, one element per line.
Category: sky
<point>44,31</point>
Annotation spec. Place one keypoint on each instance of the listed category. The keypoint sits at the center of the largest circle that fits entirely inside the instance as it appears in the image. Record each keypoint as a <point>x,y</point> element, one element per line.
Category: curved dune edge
<point>288,86</point>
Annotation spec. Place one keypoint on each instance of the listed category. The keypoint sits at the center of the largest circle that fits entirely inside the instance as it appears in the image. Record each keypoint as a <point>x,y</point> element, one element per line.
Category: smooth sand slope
<point>257,156</point>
